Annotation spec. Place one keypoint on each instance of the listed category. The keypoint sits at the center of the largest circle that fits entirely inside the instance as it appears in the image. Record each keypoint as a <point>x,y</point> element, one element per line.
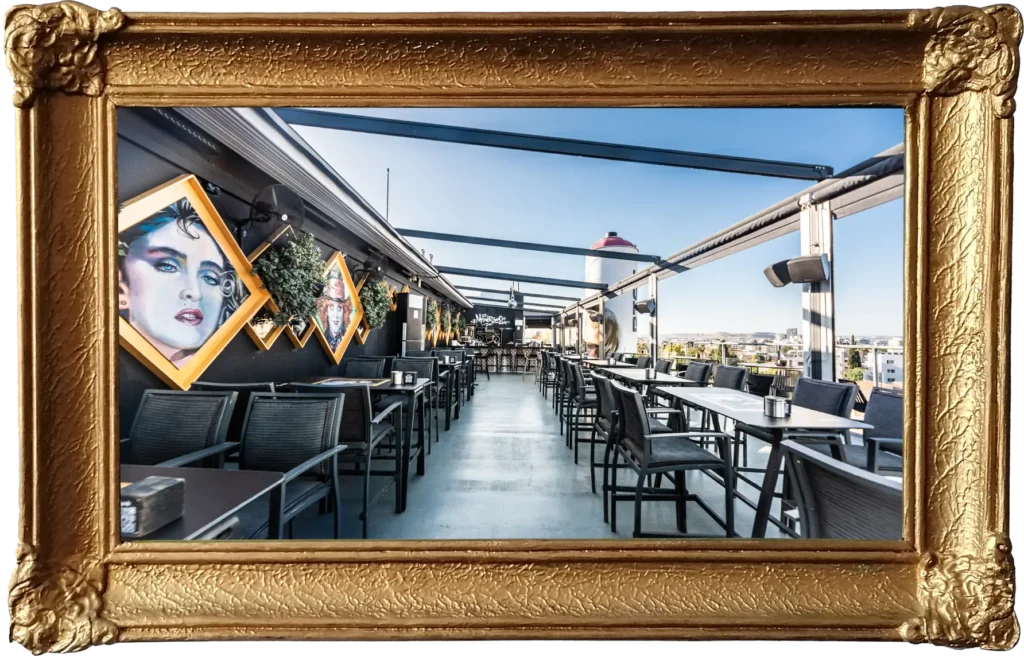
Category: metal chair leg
<point>638,504</point>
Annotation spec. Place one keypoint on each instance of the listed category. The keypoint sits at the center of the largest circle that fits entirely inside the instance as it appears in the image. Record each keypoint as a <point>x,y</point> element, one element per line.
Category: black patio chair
<point>760,384</point>
<point>643,362</point>
<point>734,378</point>
<point>582,398</point>
<point>663,366</point>
<point>238,415</point>
<point>423,368</point>
<point>670,454</point>
<point>841,502</point>
<point>882,450</point>
<point>546,377</point>
<point>179,429</point>
<point>607,429</point>
<point>388,362</point>
<point>419,354</point>
<point>296,434</point>
<point>366,435</point>
<point>367,369</point>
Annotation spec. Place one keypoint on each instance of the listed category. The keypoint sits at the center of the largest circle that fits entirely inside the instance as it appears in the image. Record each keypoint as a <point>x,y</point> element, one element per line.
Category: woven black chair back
<point>663,366</point>
<point>424,367</point>
<point>388,361</point>
<point>884,413</point>
<point>824,396</point>
<point>643,362</point>
<point>169,424</point>
<point>734,378</point>
<point>241,405</point>
<point>760,384</point>
<point>359,368</point>
<point>283,431</point>
<point>699,372</point>
<point>635,425</point>
<point>419,354</point>
<point>607,403</point>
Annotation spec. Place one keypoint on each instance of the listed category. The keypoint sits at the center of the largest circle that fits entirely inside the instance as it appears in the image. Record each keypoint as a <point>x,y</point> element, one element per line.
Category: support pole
<point>579,331</point>
<point>652,318</point>
<point>817,299</point>
<point>600,329</point>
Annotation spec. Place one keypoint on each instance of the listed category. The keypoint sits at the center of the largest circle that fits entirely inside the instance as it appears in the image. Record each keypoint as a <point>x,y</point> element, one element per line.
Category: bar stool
<point>507,362</point>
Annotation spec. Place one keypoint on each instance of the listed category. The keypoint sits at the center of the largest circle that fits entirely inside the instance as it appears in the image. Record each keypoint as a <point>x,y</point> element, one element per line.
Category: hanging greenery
<point>431,318</point>
<point>292,272</point>
<point>446,319</point>
<point>376,300</point>
<point>460,323</point>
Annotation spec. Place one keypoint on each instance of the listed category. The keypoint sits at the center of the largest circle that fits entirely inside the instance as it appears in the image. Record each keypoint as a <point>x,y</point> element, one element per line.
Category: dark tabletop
<point>211,495</point>
<point>385,386</point>
<point>749,409</point>
<point>640,376</point>
<point>609,364</point>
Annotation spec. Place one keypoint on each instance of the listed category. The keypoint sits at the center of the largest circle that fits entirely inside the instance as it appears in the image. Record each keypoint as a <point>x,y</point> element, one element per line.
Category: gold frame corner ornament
<point>56,46</point>
<point>57,609</point>
<point>967,600</point>
<point>972,49</point>
<point>949,580</point>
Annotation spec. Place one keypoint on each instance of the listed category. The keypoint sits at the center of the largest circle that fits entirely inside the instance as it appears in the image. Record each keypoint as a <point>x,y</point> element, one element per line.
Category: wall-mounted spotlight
<point>571,321</point>
<point>803,269</point>
<point>646,306</point>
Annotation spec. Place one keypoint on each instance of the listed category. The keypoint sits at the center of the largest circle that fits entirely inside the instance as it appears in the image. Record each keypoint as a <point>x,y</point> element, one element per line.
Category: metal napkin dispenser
<point>150,504</point>
<point>776,406</point>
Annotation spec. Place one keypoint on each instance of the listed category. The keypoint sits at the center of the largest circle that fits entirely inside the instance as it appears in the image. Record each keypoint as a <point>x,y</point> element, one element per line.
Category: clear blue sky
<point>573,201</point>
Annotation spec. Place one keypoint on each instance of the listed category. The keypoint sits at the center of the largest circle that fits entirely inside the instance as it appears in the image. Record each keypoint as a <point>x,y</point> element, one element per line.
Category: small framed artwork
<point>262,329</point>
<point>362,331</point>
<point>184,288</point>
<point>299,332</point>
<point>338,309</point>
<point>393,297</point>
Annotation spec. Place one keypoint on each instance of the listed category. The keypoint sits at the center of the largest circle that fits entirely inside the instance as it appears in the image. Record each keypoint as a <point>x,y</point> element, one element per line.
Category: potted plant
<point>431,319</point>
<point>446,321</point>
<point>292,272</point>
<point>376,300</point>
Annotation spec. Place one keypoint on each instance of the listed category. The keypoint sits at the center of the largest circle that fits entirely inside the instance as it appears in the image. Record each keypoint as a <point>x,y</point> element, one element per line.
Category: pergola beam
<point>537,280</point>
<point>475,299</point>
<point>505,291</point>
<point>553,145</point>
<point>526,245</point>
<point>773,221</point>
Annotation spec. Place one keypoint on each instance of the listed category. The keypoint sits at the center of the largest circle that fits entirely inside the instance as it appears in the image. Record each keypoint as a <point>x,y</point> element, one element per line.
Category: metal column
<point>818,304</point>
<point>652,318</point>
<point>600,329</point>
<point>579,331</point>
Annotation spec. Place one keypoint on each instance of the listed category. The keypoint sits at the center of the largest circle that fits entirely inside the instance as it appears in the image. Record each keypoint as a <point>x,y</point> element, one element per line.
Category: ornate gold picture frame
<point>159,233</point>
<point>950,581</point>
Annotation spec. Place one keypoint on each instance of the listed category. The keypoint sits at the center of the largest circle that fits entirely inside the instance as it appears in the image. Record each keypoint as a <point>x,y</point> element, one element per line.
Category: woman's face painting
<point>173,286</point>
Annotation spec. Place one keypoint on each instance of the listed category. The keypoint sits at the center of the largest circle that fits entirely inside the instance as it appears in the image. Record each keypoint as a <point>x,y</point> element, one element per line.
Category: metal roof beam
<point>526,246</point>
<point>877,172</point>
<point>505,291</point>
<point>553,145</point>
<point>537,280</point>
<point>498,300</point>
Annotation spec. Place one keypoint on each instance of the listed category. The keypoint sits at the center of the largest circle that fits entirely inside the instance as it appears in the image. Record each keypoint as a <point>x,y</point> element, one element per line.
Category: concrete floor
<point>504,472</point>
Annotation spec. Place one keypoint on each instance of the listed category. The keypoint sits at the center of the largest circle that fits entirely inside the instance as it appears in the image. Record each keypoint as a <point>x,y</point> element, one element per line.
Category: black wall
<point>509,332</point>
<point>151,152</point>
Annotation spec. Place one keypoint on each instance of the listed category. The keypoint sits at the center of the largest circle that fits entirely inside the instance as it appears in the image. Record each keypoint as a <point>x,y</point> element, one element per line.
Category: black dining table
<point>635,376</point>
<point>416,393</point>
<point>747,410</point>
<point>212,496</point>
<point>607,364</point>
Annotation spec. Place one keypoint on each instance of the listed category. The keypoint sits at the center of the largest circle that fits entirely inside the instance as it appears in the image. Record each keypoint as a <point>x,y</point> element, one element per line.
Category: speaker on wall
<point>778,274</point>
<point>808,268</point>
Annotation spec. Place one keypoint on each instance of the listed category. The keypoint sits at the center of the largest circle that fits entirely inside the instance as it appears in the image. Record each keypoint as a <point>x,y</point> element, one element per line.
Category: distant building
<point>792,332</point>
<point>890,367</point>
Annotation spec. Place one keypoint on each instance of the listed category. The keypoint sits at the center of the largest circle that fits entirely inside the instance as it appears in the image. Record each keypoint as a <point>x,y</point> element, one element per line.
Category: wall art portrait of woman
<point>338,309</point>
<point>181,280</point>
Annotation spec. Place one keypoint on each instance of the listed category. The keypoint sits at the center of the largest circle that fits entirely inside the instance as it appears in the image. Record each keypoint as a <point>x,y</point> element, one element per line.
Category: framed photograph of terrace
<point>740,286</point>
<point>184,287</point>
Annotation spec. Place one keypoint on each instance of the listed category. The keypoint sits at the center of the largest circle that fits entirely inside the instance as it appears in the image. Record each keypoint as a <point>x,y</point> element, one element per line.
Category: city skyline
<point>574,201</point>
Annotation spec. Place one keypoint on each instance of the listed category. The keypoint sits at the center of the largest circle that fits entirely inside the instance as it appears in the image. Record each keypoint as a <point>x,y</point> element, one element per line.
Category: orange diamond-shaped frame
<point>146,205</point>
<point>338,258</point>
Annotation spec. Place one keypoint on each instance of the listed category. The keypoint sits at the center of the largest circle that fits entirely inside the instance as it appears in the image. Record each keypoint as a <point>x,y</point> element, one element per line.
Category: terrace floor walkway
<point>504,472</point>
